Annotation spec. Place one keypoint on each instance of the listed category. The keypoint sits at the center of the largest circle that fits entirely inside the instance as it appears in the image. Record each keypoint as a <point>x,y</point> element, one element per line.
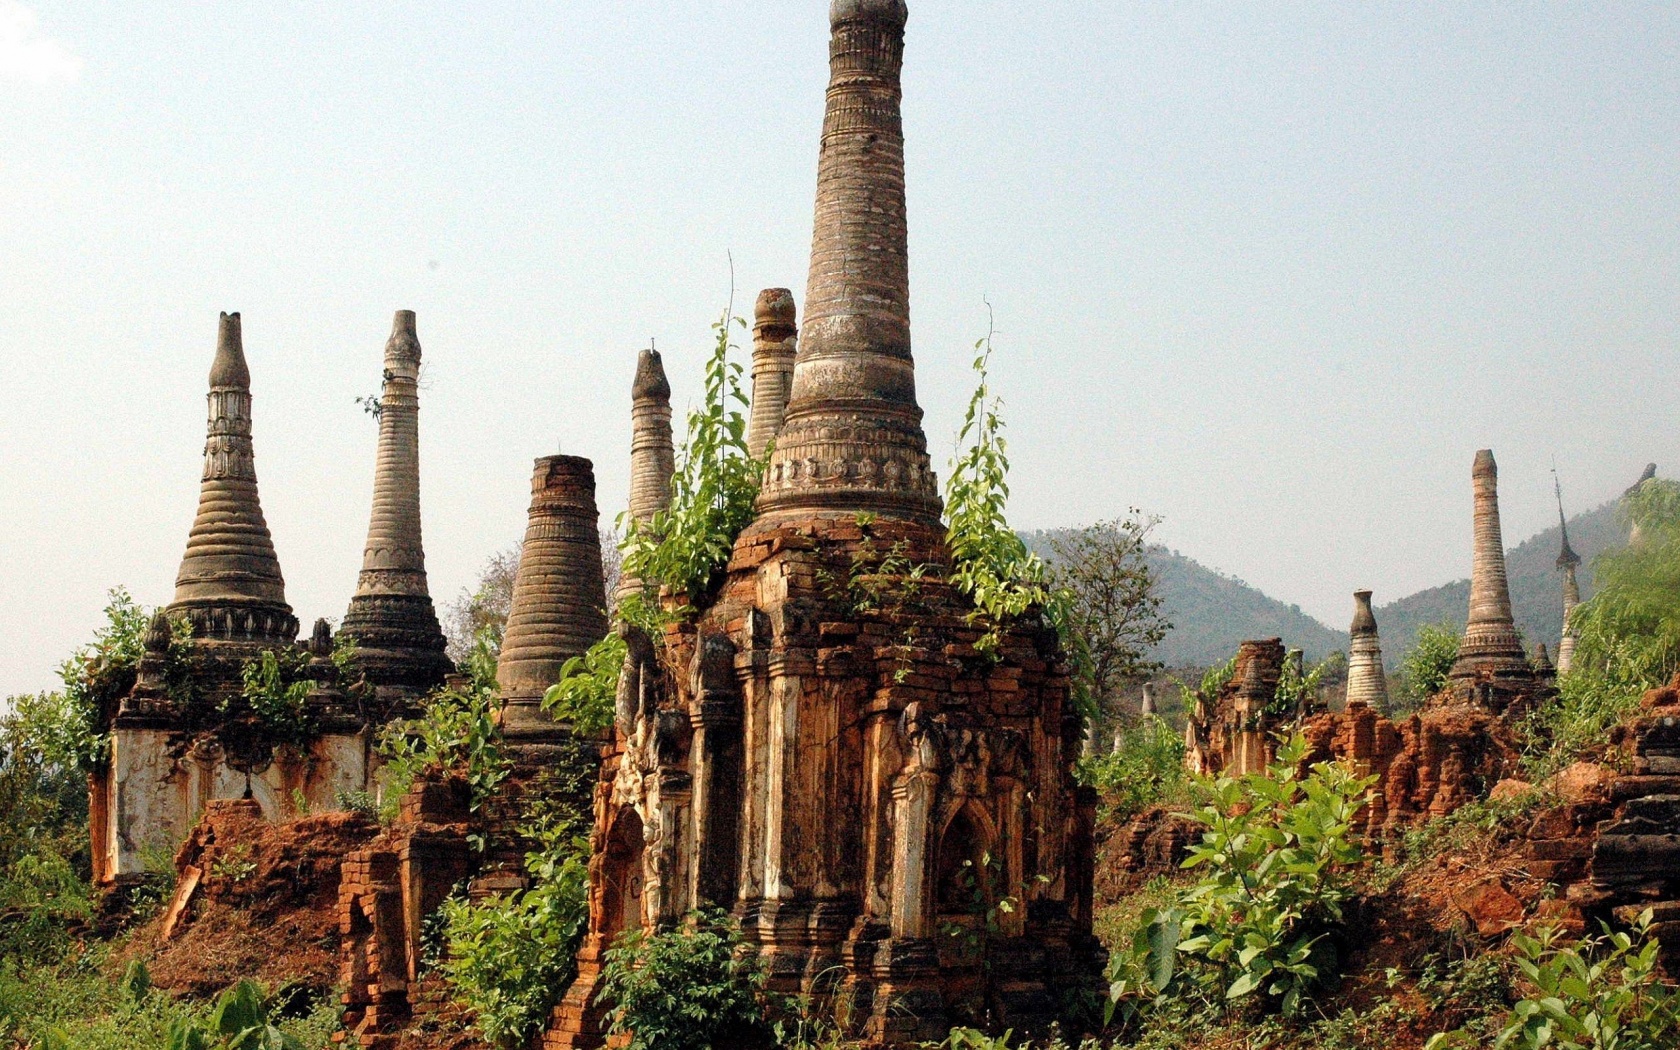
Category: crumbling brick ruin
<point>1450,752</point>
<point>184,736</point>
<point>839,773</point>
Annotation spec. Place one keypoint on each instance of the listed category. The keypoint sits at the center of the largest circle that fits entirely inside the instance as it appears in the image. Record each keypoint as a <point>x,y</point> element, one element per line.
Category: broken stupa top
<point>229,585</point>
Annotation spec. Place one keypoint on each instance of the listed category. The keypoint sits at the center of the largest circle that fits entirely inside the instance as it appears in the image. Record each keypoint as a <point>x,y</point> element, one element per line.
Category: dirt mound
<point>254,899</point>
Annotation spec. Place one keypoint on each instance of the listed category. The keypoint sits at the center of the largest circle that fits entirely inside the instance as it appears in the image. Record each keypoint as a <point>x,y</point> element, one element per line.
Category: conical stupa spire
<point>852,439</point>
<point>1490,642</point>
<point>229,586</point>
<point>391,619</point>
<point>559,606</point>
<point>1567,562</point>
<point>775,345</point>
<point>1366,683</point>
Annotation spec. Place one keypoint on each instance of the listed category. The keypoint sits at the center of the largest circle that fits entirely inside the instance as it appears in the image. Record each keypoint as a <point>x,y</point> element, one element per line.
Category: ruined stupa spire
<point>391,619</point>
<point>1490,642</point>
<point>852,439</point>
<point>775,345</point>
<point>1567,561</point>
<point>1366,684</point>
<point>652,453</point>
<point>229,586</point>
<point>559,606</point>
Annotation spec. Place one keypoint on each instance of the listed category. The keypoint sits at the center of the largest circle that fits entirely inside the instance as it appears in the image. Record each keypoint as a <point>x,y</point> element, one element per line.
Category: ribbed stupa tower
<point>775,346</point>
<point>229,586</point>
<point>652,452</point>
<point>1491,649</point>
<point>852,438</point>
<point>399,646</point>
<point>1366,684</point>
<point>1567,562</point>
<point>559,606</point>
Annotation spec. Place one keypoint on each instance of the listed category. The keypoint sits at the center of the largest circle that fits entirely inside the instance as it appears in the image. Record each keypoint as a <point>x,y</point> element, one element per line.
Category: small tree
<point>1423,670</point>
<point>1113,606</point>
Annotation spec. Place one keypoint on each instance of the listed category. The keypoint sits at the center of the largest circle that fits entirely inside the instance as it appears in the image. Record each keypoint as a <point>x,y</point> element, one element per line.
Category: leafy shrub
<point>1599,993</point>
<point>98,675</point>
<point>239,1021</point>
<point>587,691</point>
<point>685,546</point>
<point>1146,769</point>
<point>457,734</point>
<point>274,690</point>
<point>1423,670</point>
<point>509,958</point>
<point>1298,689</point>
<point>687,988</point>
<point>1258,922</point>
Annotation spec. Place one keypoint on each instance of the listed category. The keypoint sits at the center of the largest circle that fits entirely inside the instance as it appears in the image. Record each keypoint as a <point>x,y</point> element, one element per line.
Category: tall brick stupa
<point>853,780</point>
<point>399,645</point>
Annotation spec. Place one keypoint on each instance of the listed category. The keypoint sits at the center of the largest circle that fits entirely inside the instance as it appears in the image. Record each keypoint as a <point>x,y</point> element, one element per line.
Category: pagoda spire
<point>852,439</point>
<point>1490,644</point>
<point>1567,561</point>
<point>391,619</point>
<point>229,586</point>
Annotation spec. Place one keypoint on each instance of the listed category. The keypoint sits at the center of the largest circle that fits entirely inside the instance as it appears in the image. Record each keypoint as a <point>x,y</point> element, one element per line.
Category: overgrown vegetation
<point>1596,993</point>
<point>990,561</point>
<point>587,691</point>
<point>1628,635</point>
<point>1261,923</point>
<point>509,958</point>
<point>686,988</point>
<point>456,735</point>
<point>1145,769</point>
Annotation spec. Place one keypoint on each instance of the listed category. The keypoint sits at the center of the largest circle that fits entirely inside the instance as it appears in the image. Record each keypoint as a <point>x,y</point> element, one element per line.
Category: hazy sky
<point>1271,271</point>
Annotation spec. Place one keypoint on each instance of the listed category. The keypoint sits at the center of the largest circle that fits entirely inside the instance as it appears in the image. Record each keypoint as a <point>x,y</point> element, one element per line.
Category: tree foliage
<point>685,988</point>
<point>1424,668</point>
<point>1113,608</point>
<point>1627,634</point>
<point>1258,923</point>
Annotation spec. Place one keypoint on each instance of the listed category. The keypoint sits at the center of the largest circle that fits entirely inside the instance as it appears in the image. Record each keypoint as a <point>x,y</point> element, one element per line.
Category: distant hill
<point>1536,587</point>
<point>1212,613</point>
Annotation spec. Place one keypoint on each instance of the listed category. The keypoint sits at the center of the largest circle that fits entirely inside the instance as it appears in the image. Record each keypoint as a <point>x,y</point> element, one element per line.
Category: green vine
<point>991,564</point>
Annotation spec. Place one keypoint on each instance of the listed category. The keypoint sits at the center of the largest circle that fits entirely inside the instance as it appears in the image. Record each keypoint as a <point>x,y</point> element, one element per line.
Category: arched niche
<point>621,895</point>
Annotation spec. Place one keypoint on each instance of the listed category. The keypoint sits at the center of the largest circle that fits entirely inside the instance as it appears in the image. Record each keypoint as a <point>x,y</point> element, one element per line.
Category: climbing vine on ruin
<point>685,546</point>
<point>990,562</point>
